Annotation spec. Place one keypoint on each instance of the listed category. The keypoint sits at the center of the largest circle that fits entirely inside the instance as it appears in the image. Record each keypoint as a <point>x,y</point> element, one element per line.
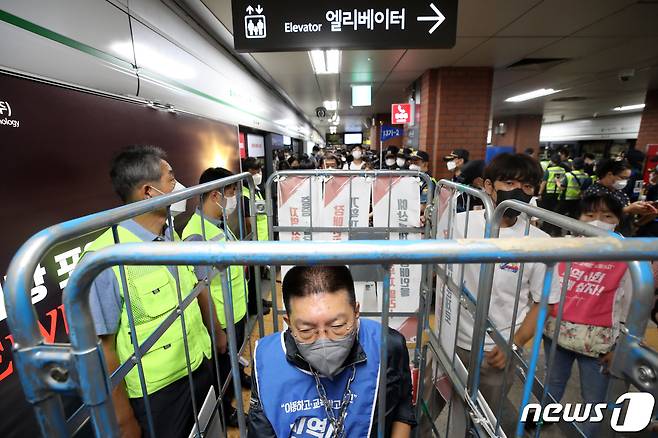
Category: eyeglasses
<point>333,333</point>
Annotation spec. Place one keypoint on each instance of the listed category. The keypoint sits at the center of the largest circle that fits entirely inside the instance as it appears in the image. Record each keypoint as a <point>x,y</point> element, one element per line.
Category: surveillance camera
<point>321,112</point>
<point>626,75</point>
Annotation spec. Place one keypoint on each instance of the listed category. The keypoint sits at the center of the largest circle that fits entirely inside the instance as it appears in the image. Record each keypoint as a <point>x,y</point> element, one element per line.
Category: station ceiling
<point>591,41</point>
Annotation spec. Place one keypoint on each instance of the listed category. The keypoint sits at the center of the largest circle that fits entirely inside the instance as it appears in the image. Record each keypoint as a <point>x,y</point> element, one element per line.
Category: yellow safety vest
<point>153,296</point>
<point>261,218</point>
<point>554,172</point>
<point>575,180</point>
<point>214,233</point>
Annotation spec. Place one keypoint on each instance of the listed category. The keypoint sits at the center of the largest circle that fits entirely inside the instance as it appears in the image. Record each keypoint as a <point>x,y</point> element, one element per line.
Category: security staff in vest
<point>138,173</point>
<point>550,190</point>
<point>216,206</point>
<point>254,167</point>
<point>573,185</point>
<point>319,377</point>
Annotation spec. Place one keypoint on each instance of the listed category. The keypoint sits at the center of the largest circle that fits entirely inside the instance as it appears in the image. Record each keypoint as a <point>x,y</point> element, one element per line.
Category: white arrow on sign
<point>250,10</point>
<point>259,9</point>
<point>439,18</point>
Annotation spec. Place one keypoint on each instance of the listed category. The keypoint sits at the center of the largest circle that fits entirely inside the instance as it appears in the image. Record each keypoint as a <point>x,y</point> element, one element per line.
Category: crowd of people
<point>358,157</point>
<point>566,181</point>
<point>320,374</point>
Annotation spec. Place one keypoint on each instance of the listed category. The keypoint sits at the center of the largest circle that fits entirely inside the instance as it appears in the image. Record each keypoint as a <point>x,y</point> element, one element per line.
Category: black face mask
<point>517,194</point>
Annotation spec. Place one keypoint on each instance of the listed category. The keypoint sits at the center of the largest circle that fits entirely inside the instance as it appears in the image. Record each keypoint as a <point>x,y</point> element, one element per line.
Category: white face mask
<point>258,178</point>
<point>414,167</point>
<point>357,155</point>
<point>620,184</point>
<point>390,161</point>
<point>603,225</point>
<point>231,203</point>
<point>177,207</point>
<point>451,165</point>
<point>400,162</point>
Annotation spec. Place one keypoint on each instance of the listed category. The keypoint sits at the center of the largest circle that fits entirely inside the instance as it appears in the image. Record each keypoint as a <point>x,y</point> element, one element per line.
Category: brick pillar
<point>649,126</point>
<point>455,108</point>
<point>522,132</point>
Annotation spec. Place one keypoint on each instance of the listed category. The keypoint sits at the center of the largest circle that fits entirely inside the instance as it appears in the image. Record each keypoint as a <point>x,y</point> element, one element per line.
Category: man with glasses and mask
<point>508,176</point>
<point>211,218</point>
<point>139,173</point>
<point>319,377</point>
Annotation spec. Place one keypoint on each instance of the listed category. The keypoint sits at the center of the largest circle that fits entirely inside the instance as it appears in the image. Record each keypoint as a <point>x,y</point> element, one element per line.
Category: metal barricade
<point>279,253</point>
<point>632,361</point>
<point>354,231</point>
<point>48,370</point>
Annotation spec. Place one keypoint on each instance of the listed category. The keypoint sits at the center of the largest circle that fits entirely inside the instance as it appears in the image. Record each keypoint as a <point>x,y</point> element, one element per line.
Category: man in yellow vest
<point>550,191</point>
<point>217,205</point>
<point>574,183</point>
<point>254,167</point>
<point>138,173</point>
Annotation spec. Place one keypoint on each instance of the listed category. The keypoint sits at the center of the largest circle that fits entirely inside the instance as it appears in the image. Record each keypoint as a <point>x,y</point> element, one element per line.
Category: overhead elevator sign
<point>276,26</point>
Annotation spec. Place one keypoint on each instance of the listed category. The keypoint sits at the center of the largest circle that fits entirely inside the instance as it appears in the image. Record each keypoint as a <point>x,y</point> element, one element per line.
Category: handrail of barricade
<point>383,253</point>
<point>453,288</point>
<point>40,365</point>
<point>645,360</point>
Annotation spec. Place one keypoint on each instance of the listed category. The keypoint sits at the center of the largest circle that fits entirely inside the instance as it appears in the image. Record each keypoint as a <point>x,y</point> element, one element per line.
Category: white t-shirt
<point>505,279</point>
<point>354,166</point>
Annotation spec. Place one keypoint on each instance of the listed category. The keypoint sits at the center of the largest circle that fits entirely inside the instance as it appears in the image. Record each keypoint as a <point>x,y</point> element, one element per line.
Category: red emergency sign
<point>400,113</point>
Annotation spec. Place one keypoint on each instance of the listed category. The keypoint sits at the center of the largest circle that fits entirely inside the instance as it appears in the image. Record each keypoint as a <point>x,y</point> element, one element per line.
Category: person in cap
<point>319,377</point>
<point>455,161</point>
<point>420,160</point>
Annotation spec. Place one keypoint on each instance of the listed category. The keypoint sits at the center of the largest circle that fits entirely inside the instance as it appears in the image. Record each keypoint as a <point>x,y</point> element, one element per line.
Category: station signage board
<point>276,26</point>
<point>390,132</point>
<point>400,113</point>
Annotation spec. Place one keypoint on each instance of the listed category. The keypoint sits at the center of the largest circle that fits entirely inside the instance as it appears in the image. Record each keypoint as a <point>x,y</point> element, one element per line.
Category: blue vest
<point>290,398</point>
